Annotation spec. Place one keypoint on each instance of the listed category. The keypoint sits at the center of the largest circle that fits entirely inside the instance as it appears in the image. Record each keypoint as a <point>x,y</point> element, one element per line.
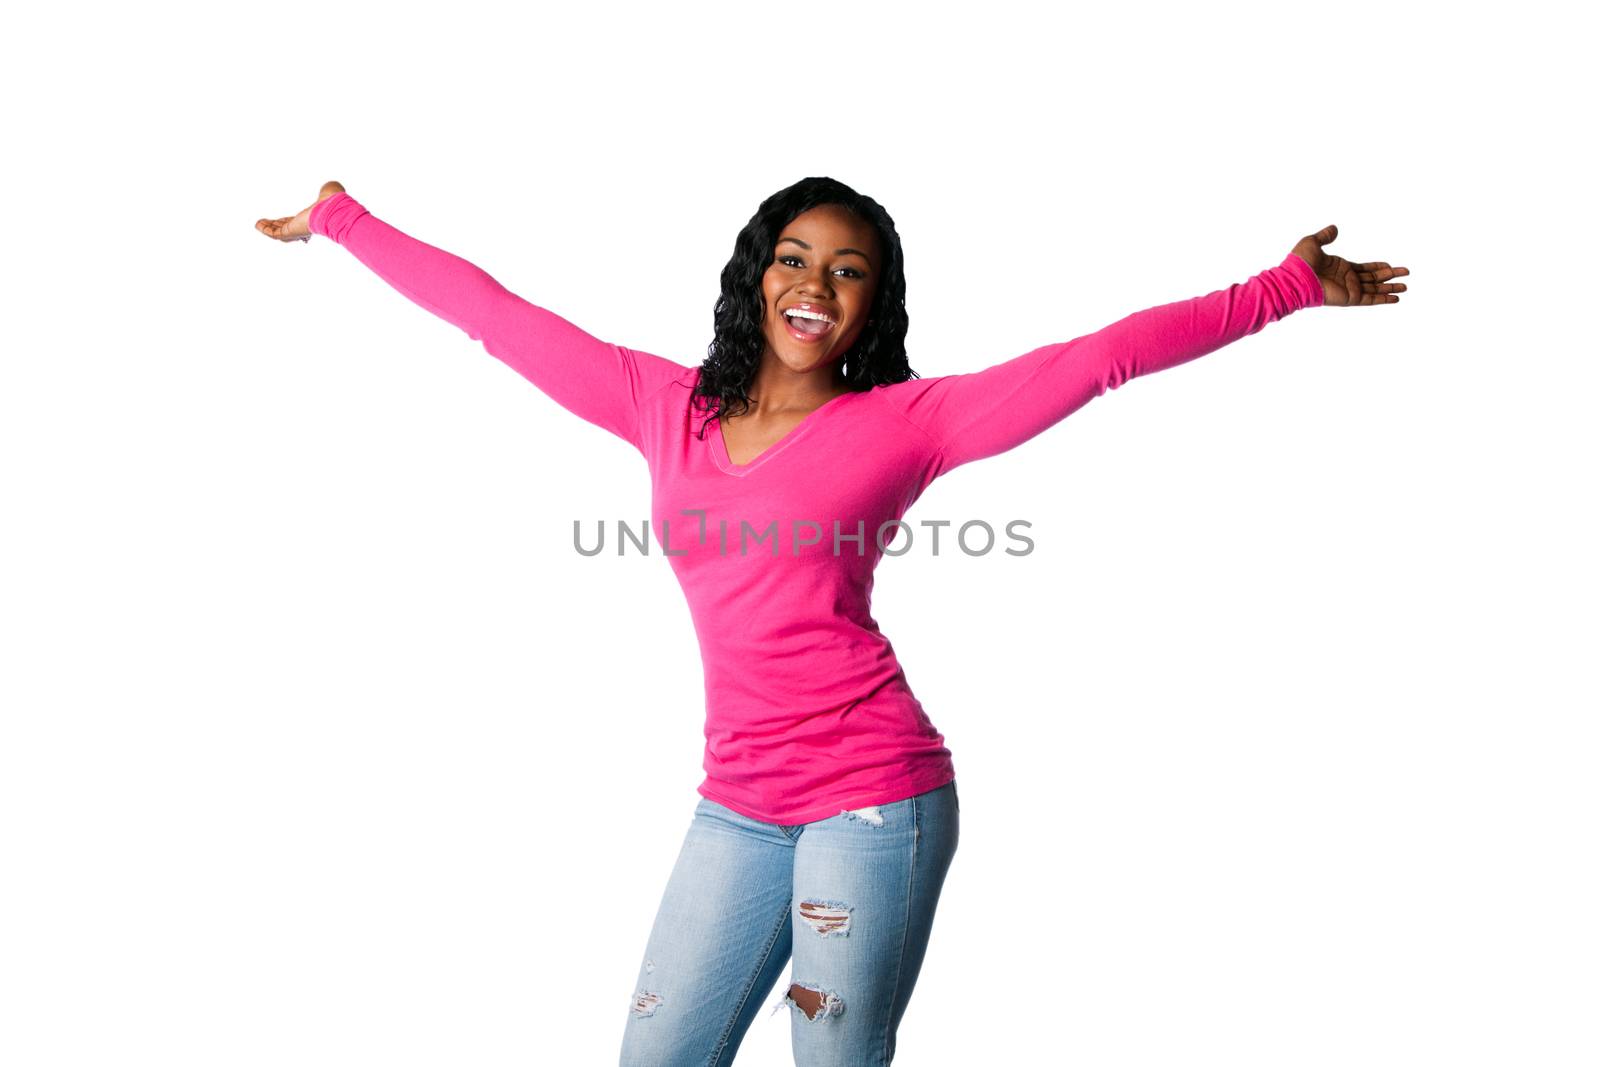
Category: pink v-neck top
<point>807,711</point>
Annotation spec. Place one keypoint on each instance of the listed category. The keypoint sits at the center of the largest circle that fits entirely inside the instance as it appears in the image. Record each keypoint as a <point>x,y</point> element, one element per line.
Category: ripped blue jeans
<point>851,898</point>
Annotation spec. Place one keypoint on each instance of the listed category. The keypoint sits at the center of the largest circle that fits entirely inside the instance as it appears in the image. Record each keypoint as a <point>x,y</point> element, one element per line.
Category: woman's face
<point>826,263</point>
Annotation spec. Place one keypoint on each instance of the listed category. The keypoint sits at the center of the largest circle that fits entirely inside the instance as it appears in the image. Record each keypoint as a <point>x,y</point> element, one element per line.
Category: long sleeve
<point>600,382</point>
<point>984,413</point>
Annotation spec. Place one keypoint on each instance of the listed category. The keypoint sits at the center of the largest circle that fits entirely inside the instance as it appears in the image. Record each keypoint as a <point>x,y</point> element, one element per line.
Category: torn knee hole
<point>814,1003</point>
<point>646,1003</point>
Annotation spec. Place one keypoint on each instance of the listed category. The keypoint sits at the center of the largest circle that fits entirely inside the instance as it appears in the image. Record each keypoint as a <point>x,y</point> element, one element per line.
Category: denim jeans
<point>851,898</point>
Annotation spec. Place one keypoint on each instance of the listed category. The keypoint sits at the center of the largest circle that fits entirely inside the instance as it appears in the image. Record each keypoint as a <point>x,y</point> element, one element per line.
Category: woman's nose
<point>816,282</point>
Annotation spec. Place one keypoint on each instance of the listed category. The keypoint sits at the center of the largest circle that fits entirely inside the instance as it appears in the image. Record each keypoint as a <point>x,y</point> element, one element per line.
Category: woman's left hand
<point>1346,284</point>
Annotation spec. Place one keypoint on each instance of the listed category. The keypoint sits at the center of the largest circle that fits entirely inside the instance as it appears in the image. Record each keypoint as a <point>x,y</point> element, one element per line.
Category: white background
<point>322,746</point>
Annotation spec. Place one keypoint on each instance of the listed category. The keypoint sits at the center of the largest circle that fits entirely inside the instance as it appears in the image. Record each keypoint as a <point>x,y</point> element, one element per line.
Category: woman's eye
<point>850,272</point>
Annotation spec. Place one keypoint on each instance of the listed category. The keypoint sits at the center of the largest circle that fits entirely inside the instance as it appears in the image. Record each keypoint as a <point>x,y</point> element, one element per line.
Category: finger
<point>278,228</point>
<point>1380,272</point>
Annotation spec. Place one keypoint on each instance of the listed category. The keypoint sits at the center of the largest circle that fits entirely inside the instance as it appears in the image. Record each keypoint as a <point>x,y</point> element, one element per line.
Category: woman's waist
<point>740,708</point>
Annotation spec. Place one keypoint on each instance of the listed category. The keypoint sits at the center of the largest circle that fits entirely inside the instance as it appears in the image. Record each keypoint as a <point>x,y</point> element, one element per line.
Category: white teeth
<point>806,313</point>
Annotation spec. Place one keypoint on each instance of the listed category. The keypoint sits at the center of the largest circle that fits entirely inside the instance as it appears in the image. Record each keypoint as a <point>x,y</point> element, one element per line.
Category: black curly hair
<point>878,356</point>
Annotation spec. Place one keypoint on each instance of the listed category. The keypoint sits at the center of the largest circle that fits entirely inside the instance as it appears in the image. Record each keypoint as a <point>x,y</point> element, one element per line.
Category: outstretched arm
<point>600,382</point>
<point>982,414</point>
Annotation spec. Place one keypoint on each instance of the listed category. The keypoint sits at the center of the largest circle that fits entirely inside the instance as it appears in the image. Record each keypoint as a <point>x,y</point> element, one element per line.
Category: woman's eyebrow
<point>840,252</point>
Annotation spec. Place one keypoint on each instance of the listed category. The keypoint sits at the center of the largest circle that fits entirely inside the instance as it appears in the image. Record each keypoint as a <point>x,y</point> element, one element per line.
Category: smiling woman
<point>816,252</point>
<point>825,299</point>
<point>828,814</point>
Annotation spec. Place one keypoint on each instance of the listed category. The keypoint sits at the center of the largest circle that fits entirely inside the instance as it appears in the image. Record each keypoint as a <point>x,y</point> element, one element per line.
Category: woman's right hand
<point>297,227</point>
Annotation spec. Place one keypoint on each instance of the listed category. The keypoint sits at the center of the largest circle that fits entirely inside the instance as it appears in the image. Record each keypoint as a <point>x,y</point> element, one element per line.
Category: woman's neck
<point>779,390</point>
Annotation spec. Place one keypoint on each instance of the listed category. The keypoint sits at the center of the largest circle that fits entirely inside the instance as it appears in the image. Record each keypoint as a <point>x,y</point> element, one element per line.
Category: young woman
<point>780,468</point>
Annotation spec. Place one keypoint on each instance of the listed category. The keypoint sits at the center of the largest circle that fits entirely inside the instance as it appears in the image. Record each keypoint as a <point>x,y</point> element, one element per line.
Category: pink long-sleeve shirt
<point>807,711</point>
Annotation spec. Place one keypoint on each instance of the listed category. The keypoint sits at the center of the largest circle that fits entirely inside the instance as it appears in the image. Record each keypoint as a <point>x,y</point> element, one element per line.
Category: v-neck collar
<point>719,444</point>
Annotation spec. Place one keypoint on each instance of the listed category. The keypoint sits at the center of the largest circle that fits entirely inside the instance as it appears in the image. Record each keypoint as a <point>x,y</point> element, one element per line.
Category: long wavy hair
<point>878,356</point>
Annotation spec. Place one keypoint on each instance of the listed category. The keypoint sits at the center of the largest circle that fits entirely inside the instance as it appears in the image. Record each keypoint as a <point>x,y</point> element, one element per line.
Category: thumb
<point>1326,235</point>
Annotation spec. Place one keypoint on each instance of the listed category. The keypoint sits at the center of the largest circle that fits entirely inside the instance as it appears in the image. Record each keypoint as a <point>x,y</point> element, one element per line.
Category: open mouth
<point>807,324</point>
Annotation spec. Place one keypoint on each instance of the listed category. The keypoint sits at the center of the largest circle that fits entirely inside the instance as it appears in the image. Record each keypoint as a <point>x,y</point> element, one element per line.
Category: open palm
<point>297,227</point>
<point>1347,284</point>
